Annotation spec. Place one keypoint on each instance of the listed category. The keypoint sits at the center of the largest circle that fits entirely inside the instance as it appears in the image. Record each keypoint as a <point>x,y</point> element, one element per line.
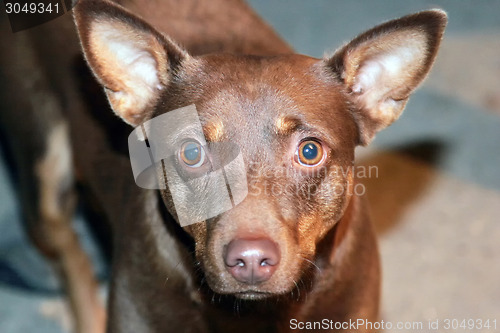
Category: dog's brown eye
<point>309,153</point>
<point>192,154</point>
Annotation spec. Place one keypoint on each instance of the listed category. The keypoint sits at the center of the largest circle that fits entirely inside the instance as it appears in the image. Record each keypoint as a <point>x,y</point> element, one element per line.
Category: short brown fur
<point>250,91</point>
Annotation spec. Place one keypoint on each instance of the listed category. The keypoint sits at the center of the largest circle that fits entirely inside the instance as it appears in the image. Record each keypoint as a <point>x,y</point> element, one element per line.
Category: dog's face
<point>291,122</point>
<point>295,120</point>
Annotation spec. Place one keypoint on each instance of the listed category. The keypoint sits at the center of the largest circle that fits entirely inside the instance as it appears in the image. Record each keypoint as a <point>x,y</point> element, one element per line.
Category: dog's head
<point>295,120</point>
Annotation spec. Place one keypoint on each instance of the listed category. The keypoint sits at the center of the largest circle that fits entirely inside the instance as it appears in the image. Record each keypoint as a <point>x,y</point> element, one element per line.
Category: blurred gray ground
<point>435,201</point>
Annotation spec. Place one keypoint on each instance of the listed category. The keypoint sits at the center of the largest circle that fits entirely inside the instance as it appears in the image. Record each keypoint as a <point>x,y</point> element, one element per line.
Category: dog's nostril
<point>251,261</point>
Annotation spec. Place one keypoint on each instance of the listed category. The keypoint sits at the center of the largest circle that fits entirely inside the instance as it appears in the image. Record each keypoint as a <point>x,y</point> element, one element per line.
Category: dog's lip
<point>253,294</point>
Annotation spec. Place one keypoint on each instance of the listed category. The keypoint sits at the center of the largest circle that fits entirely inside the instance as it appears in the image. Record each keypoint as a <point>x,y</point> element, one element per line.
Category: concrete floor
<point>435,201</point>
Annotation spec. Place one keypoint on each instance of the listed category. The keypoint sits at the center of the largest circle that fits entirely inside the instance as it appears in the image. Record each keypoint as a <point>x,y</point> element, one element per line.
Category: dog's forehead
<point>253,99</point>
<point>253,110</point>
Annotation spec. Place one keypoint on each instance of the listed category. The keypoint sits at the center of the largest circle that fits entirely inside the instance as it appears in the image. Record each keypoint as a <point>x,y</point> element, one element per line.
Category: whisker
<point>298,289</point>
<point>238,306</point>
<point>202,282</point>
<point>312,263</point>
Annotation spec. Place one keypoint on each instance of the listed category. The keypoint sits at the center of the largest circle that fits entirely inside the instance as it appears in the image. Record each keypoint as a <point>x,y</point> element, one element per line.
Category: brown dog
<point>299,251</point>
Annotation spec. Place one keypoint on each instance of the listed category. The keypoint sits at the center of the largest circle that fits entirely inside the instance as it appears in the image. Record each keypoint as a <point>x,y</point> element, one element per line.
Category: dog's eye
<point>192,154</point>
<point>309,153</point>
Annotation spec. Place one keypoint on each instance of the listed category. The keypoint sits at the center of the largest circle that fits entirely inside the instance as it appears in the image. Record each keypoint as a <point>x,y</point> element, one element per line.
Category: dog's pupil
<point>192,151</point>
<point>310,151</point>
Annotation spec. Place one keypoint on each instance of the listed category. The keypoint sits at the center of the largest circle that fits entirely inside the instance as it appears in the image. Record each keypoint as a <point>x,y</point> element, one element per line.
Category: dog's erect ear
<point>381,67</point>
<point>131,60</point>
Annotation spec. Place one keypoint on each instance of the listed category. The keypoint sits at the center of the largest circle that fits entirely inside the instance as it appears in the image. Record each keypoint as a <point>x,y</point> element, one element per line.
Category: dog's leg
<point>39,142</point>
<point>55,234</point>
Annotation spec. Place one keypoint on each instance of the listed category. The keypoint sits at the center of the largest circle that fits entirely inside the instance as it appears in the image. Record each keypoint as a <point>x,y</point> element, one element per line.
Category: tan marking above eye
<point>214,131</point>
<point>286,125</point>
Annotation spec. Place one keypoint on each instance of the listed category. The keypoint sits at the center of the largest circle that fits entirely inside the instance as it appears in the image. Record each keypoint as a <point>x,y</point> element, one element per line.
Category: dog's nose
<point>252,261</point>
